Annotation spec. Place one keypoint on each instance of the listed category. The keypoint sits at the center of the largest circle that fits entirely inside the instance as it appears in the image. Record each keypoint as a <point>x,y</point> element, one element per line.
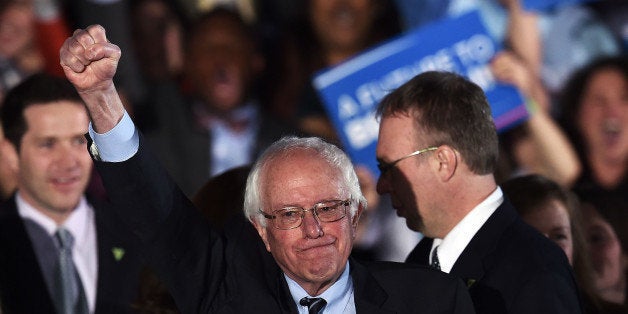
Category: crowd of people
<point>211,144</point>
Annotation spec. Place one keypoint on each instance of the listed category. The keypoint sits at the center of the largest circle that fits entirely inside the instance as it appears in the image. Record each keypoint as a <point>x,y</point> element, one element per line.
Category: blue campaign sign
<point>541,5</point>
<point>352,90</point>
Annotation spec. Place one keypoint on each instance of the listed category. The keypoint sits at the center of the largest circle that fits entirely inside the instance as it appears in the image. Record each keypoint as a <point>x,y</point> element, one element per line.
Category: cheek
<point>420,197</point>
<point>614,253</point>
<point>86,162</point>
<point>275,243</point>
<point>405,188</point>
<point>605,254</point>
<point>280,243</point>
<point>568,248</point>
<point>28,166</point>
<point>587,120</point>
<point>345,237</point>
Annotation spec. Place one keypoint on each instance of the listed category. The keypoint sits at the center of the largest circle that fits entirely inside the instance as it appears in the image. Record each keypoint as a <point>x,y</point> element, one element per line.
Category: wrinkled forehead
<point>301,177</point>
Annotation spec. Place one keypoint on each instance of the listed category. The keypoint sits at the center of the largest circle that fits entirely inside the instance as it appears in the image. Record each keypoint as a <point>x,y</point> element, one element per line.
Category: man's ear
<point>261,230</point>
<point>447,159</point>
<point>9,155</point>
<point>9,167</point>
<point>356,217</point>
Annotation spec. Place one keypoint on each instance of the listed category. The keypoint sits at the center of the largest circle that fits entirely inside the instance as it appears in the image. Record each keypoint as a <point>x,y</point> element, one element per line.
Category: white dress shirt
<point>452,245</point>
<point>339,296</point>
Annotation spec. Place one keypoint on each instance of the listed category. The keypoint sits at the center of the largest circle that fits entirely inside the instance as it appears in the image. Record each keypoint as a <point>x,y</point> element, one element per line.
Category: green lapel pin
<point>470,282</point>
<point>118,253</point>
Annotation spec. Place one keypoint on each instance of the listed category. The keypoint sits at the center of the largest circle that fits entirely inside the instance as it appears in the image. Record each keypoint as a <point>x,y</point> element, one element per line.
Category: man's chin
<point>414,225</point>
<point>324,274</point>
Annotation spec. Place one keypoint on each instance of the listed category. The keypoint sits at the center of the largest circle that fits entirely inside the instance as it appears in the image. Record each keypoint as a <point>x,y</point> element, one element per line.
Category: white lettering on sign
<point>362,131</point>
<point>347,107</point>
<point>469,57</point>
<point>442,60</point>
<point>478,49</point>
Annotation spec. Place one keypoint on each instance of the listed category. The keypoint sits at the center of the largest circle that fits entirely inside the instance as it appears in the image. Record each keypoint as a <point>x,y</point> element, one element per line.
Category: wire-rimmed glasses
<point>385,166</point>
<point>292,217</point>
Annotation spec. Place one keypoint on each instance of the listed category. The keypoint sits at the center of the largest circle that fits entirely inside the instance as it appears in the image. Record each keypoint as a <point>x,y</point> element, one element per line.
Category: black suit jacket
<point>511,268</point>
<point>231,272</point>
<point>23,288</point>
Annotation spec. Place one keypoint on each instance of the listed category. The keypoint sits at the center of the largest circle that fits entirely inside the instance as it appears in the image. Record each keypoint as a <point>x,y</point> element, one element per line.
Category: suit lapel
<point>115,266</point>
<point>421,251</point>
<point>369,296</point>
<point>478,255</point>
<point>20,266</point>
<point>105,263</point>
<point>283,295</point>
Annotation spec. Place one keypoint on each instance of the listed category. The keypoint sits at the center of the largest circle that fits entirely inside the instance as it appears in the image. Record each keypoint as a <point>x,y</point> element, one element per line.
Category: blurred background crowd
<point>211,83</point>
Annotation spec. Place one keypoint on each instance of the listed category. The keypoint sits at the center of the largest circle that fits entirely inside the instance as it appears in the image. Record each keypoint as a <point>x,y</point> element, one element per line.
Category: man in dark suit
<point>45,119</point>
<point>437,151</point>
<point>302,196</point>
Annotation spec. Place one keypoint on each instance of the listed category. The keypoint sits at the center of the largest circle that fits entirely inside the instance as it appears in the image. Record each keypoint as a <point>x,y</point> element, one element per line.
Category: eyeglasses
<point>384,166</point>
<point>292,217</point>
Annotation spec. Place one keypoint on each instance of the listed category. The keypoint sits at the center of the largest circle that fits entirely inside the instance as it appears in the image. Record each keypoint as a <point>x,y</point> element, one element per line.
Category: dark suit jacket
<point>23,288</point>
<point>511,268</point>
<point>231,272</point>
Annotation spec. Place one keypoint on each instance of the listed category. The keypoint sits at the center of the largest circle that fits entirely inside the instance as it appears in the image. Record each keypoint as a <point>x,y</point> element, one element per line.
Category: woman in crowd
<point>594,114</point>
<point>554,211</point>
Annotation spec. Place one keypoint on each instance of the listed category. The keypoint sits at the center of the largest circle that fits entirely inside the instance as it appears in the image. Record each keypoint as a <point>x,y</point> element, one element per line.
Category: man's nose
<point>66,157</point>
<point>311,224</point>
<point>382,185</point>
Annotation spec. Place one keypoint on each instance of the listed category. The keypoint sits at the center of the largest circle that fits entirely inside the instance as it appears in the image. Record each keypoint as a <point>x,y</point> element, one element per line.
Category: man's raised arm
<point>176,241</point>
<point>89,61</point>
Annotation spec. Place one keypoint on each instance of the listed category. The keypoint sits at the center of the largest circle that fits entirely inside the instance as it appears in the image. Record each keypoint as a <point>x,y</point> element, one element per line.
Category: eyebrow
<point>329,199</point>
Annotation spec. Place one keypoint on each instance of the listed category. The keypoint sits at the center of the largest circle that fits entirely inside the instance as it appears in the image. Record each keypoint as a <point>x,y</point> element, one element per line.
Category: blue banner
<point>352,90</point>
<point>542,5</point>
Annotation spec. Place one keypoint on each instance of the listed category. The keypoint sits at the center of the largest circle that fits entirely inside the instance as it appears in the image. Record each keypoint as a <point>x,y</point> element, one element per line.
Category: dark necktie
<point>314,305</point>
<point>70,297</point>
<point>435,262</point>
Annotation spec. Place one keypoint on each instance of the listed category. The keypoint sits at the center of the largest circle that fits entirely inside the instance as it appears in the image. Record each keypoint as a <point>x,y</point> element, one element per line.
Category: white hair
<point>333,155</point>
